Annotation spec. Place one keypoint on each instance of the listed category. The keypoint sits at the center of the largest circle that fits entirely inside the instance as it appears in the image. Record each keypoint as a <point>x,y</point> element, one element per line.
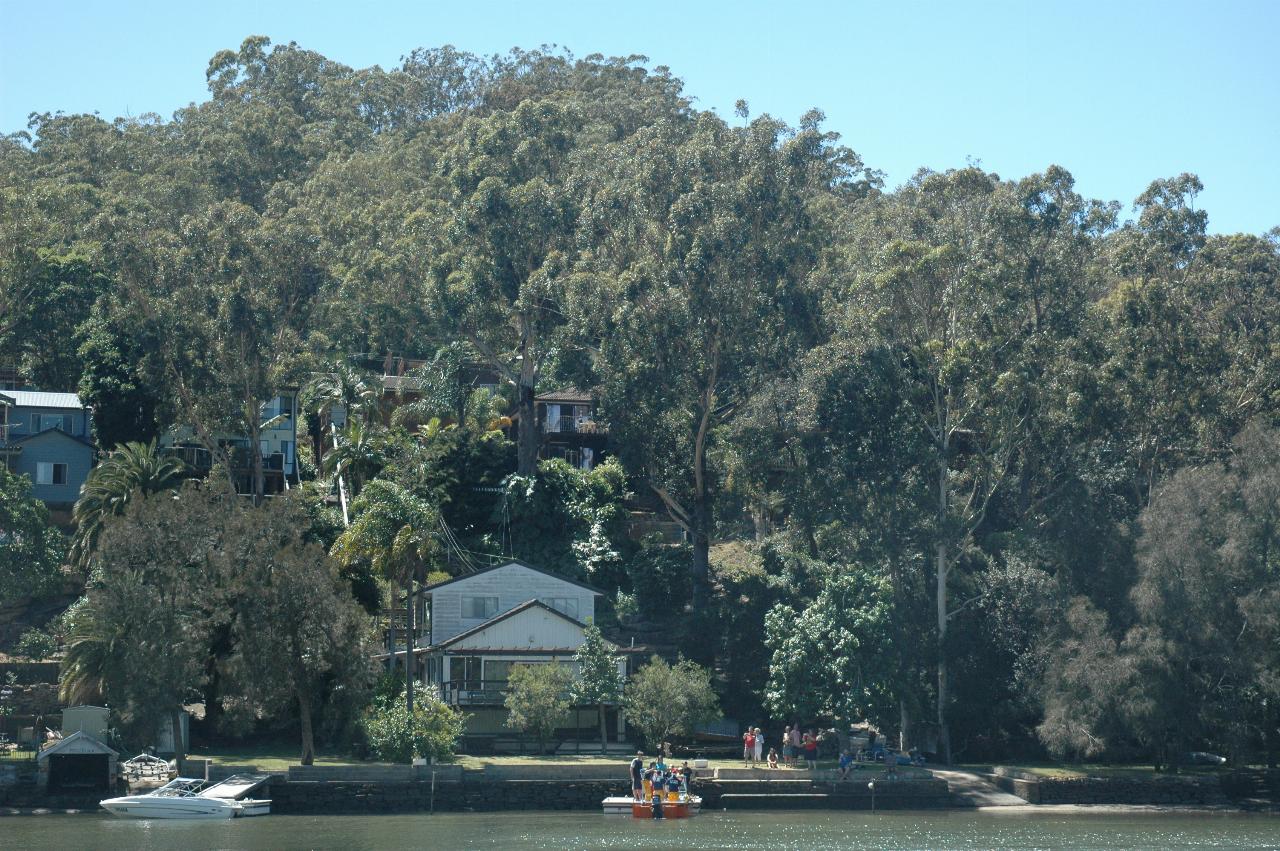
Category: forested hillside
<point>975,457</point>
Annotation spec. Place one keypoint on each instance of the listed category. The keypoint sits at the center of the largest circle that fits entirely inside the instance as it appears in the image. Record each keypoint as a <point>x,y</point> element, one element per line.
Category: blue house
<point>49,438</point>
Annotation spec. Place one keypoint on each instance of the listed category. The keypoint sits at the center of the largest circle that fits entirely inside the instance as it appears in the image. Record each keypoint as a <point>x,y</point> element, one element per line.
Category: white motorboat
<point>187,798</point>
<point>177,799</point>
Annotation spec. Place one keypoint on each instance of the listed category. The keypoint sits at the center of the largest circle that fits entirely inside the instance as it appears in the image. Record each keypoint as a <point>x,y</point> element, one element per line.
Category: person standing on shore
<point>811,750</point>
<point>637,778</point>
<point>748,746</point>
<point>759,746</point>
<point>795,745</point>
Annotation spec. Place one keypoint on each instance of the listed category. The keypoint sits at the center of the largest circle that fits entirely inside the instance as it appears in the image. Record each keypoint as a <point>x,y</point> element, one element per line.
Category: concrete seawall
<point>480,795</point>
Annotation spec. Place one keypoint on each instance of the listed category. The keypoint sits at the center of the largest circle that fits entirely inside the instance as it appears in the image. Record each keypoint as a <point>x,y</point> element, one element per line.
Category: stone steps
<point>774,800</point>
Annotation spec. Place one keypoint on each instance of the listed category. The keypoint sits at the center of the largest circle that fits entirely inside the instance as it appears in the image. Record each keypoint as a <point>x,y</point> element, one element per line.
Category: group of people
<point>795,746</point>
<point>658,779</point>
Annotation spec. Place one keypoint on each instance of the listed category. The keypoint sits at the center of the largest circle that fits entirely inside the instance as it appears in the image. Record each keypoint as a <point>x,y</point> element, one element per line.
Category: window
<point>48,473</point>
<point>44,422</point>
<point>564,605</point>
<point>479,607</point>
<point>466,670</point>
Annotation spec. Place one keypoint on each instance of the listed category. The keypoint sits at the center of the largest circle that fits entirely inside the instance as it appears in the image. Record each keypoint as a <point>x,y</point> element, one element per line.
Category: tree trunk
<point>700,567</point>
<point>528,440</point>
<point>179,745</point>
<point>408,645</point>
<point>944,735</point>
<point>942,566</point>
<point>255,453</point>
<point>904,726</point>
<point>304,720</point>
<point>527,435</point>
<point>604,732</point>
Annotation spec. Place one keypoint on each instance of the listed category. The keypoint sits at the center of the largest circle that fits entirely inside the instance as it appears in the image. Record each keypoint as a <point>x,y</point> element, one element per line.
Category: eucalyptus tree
<point>695,289</point>
<point>509,242</point>
<point>932,286</point>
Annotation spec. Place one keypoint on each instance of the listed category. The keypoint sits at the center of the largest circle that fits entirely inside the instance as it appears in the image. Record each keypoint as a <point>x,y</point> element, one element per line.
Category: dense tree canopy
<point>942,449</point>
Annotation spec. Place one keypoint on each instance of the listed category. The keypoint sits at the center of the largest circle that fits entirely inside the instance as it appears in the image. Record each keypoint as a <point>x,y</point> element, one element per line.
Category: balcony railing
<point>200,459</point>
<point>572,425</point>
<point>473,692</point>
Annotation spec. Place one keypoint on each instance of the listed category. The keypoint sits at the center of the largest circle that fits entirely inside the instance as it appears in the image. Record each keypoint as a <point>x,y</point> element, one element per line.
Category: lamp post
<point>872,786</point>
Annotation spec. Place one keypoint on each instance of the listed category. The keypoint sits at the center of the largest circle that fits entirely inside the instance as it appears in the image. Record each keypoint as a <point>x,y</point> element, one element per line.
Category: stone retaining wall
<point>309,797</point>
<point>1185,791</point>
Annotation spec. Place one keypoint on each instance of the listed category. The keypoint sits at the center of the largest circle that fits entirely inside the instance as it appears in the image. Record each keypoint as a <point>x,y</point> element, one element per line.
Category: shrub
<point>35,644</point>
<point>432,731</point>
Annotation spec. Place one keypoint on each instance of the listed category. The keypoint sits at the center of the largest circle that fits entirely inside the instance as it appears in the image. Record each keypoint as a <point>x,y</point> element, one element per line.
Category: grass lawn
<point>279,756</point>
<point>269,757</point>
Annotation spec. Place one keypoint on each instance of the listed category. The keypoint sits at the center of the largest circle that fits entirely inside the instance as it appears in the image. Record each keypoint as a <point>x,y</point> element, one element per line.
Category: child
<point>773,757</point>
<point>846,765</point>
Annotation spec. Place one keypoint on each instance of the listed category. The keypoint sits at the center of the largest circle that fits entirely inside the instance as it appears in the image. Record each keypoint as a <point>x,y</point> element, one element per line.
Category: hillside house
<point>483,623</point>
<point>566,419</point>
<point>278,442</point>
<point>48,437</point>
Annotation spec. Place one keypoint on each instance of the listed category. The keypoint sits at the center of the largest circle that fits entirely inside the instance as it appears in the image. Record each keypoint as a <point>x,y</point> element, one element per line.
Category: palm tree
<point>395,531</point>
<point>345,387</point>
<point>358,455</point>
<point>129,471</point>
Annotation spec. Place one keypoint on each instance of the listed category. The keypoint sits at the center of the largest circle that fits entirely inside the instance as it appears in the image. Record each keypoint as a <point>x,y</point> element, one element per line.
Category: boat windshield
<point>183,787</point>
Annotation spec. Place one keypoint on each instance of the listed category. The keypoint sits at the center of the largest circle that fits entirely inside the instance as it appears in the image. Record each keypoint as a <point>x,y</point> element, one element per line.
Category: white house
<point>483,623</point>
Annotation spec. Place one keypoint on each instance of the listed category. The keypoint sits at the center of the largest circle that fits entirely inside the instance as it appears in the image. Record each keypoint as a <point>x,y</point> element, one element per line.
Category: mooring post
<point>433,791</point>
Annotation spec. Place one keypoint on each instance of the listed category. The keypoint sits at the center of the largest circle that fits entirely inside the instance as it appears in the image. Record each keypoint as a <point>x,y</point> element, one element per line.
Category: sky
<point>1119,93</point>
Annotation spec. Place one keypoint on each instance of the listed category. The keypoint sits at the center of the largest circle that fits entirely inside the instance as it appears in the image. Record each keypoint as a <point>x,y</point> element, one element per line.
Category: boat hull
<point>627,806</point>
<point>136,806</point>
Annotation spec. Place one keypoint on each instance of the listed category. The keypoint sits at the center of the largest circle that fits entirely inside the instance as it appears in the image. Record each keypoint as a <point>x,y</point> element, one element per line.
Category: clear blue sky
<point>1117,92</point>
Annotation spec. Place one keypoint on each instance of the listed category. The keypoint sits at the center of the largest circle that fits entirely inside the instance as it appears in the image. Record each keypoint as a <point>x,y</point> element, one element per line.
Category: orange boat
<point>686,806</point>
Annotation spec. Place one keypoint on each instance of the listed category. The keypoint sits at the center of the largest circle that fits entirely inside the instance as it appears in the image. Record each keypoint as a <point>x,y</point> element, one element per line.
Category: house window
<point>479,607</point>
<point>466,670</point>
<point>564,605</point>
<point>496,671</point>
<point>44,422</point>
<point>48,473</point>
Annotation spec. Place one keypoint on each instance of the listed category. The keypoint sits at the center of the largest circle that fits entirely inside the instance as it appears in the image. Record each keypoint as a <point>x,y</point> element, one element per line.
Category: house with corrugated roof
<point>48,436</point>
<point>482,624</point>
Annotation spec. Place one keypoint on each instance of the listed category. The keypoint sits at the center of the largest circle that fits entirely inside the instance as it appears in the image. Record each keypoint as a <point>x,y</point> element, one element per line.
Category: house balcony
<point>474,692</point>
<point>201,460</point>
<point>573,425</point>
<point>478,692</point>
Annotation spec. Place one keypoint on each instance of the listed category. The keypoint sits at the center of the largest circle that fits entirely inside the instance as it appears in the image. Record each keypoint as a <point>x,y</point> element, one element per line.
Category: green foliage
<point>659,577</point>
<point>835,659</point>
<point>598,679</point>
<point>35,644</point>
<point>669,700</point>
<point>537,699</point>
<point>132,471</point>
<point>569,520</point>
<point>31,550</point>
<point>432,731</point>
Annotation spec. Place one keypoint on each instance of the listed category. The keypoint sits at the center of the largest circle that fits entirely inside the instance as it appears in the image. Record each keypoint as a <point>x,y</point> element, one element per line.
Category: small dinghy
<point>685,806</point>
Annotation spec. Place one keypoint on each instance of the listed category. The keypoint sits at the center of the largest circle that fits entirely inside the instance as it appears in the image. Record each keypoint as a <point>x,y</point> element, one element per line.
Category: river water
<point>792,830</point>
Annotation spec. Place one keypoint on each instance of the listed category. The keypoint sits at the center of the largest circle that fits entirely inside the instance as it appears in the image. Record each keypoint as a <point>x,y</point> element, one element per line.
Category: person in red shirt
<point>748,747</point>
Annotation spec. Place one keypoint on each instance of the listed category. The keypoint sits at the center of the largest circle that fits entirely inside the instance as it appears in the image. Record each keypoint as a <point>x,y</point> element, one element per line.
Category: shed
<point>78,762</point>
<point>86,719</point>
